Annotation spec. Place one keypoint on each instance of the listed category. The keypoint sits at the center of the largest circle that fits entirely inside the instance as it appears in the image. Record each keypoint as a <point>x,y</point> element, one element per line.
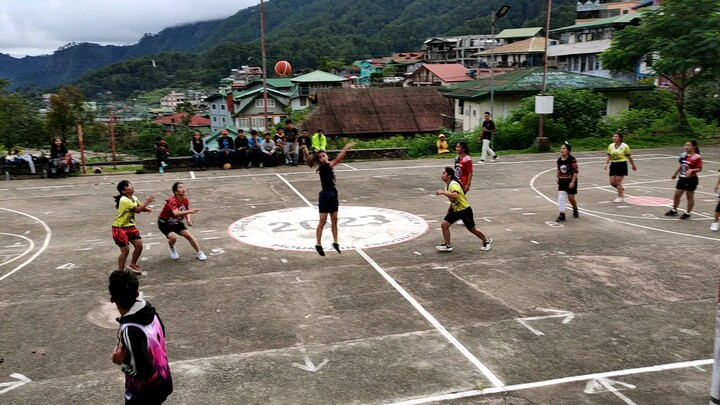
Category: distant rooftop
<point>518,33</point>
<point>530,45</point>
<point>318,76</point>
<point>620,19</point>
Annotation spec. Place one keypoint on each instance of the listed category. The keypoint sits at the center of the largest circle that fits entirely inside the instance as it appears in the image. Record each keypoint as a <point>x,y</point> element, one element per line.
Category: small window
<point>259,103</point>
<point>214,119</point>
<point>223,120</point>
<point>271,103</point>
<point>214,107</point>
<point>303,101</point>
<point>222,107</point>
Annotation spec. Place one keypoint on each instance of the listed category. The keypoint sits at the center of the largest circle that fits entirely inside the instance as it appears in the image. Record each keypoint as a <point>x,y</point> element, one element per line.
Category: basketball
<point>227,166</point>
<point>283,68</point>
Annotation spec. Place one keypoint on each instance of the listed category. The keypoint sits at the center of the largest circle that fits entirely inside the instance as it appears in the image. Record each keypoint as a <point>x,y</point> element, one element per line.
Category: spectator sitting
<point>254,149</point>
<point>59,158</point>
<point>226,148</point>
<point>319,141</point>
<point>162,152</point>
<point>16,159</point>
<point>442,145</point>
<point>304,140</point>
<point>197,148</point>
<point>291,149</point>
<point>268,150</point>
<point>241,149</point>
<point>279,144</point>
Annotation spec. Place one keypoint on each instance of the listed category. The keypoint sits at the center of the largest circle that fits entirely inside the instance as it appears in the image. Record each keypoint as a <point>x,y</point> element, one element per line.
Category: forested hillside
<point>300,31</point>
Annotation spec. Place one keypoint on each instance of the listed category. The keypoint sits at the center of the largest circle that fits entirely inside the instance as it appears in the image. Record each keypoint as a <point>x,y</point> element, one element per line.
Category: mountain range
<point>300,31</point>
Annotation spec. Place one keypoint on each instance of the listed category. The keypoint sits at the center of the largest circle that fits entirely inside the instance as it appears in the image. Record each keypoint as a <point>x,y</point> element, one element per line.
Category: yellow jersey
<point>125,216</point>
<point>461,202</point>
<point>618,154</point>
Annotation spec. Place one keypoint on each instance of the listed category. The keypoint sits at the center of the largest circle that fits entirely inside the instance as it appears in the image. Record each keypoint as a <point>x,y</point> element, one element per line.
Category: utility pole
<point>111,124</point>
<point>493,19</point>
<point>264,61</point>
<point>545,63</point>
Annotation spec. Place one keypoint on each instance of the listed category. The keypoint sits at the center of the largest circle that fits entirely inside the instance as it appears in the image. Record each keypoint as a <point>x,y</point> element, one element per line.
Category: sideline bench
<point>184,163</point>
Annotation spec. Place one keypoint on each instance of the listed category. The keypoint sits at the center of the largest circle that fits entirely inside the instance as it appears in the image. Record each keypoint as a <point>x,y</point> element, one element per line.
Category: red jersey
<point>693,161</point>
<point>173,203</point>
<point>463,169</point>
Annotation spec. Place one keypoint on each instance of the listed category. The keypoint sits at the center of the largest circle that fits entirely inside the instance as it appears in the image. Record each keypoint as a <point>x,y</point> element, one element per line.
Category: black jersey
<point>327,177</point>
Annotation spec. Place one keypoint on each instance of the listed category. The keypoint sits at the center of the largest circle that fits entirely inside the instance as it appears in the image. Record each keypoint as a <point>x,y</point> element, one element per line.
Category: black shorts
<point>564,185</point>
<point>717,208</point>
<point>328,201</point>
<point>618,169</point>
<point>465,215</point>
<point>166,227</point>
<point>687,183</point>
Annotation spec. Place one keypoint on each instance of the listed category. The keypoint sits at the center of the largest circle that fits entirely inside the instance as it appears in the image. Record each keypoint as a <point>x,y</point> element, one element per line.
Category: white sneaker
<point>487,244</point>
<point>618,200</point>
<point>444,248</point>
<point>173,253</point>
<point>201,256</point>
<point>714,226</point>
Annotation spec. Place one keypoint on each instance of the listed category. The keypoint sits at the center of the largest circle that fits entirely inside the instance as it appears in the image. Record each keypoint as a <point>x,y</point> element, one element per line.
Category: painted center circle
<point>649,201</point>
<point>358,228</point>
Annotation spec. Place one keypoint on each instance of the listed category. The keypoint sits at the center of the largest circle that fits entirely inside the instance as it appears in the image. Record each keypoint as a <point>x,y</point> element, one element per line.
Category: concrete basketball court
<point>615,307</point>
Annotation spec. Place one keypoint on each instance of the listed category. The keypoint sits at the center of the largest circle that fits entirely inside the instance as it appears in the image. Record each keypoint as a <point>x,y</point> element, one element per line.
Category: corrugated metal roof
<point>393,110</point>
<point>195,120</point>
<point>447,72</point>
<point>318,76</point>
<point>530,45</point>
<point>518,33</point>
<point>621,19</point>
<point>529,81</point>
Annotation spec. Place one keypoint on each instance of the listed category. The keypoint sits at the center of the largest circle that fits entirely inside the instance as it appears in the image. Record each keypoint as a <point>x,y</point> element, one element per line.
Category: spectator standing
<point>715,226</point>
<point>488,131</point>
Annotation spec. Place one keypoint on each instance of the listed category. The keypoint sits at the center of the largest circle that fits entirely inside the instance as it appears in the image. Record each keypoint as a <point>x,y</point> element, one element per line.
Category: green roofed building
<point>472,99</point>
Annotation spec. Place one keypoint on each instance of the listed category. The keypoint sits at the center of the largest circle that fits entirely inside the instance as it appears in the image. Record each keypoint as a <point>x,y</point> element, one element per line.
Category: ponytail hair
<point>568,147</point>
<point>451,172</point>
<point>121,189</point>
<point>695,145</point>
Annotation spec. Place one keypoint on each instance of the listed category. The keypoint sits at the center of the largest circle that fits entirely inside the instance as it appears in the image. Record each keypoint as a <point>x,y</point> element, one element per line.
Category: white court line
<point>294,189</point>
<point>494,380</point>
<point>46,242</point>
<point>28,250</point>
<point>192,175</point>
<point>556,381</point>
<point>347,165</point>
<point>600,215</point>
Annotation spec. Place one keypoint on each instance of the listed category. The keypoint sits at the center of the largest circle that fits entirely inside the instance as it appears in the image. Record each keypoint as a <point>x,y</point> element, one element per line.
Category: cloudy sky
<point>38,27</point>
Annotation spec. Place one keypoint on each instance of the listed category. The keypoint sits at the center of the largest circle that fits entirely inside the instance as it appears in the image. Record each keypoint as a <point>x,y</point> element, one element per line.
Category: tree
<point>327,64</point>
<point>19,124</point>
<point>678,40</point>
<point>66,110</point>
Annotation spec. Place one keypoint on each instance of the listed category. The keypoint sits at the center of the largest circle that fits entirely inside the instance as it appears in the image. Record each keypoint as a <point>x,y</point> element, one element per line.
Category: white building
<point>172,100</point>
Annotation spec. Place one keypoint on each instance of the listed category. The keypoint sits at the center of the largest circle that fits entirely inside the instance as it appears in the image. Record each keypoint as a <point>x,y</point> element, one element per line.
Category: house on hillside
<point>309,85</point>
<point>472,99</point>
<point>512,35</point>
<point>577,48</point>
<point>458,49</point>
<point>405,62</point>
<point>520,54</point>
<point>171,123</point>
<point>250,108</point>
<point>589,10</point>
<point>368,67</point>
<point>172,100</point>
<point>380,111</point>
<point>438,74</point>
<point>240,78</point>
